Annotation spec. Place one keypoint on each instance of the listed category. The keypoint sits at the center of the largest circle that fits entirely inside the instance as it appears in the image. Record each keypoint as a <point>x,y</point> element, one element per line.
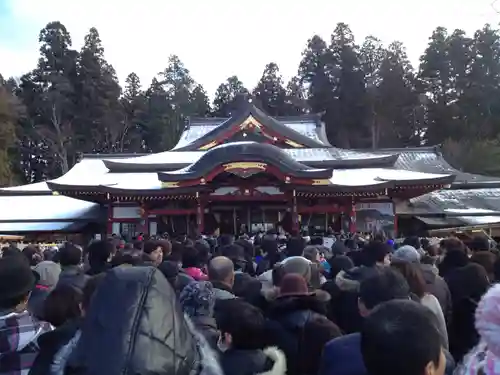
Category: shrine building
<point>244,173</point>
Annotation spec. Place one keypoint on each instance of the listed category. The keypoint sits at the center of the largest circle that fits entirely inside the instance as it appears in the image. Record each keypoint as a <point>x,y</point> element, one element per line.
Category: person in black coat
<point>72,274</point>
<point>99,254</point>
<point>298,324</point>
<point>243,330</point>
<point>467,285</point>
<point>53,344</point>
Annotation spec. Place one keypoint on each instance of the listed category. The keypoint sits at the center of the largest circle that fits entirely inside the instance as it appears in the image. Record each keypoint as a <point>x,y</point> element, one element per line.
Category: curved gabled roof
<point>249,110</point>
<point>309,125</point>
<point>239,152</point>
<point>431,160</point>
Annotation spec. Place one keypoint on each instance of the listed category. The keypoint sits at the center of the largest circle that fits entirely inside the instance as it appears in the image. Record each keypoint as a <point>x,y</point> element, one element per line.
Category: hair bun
<point>488,319</point>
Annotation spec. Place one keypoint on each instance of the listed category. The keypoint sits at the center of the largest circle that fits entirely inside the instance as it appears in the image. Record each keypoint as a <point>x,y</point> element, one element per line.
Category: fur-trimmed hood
<point>285,305</point>
<point>272,294</point>
<point>270,361</point>
<point>279,359</point>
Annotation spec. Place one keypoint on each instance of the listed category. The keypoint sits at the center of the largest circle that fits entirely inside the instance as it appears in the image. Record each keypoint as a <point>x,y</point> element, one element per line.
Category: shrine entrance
<point>245,217</point>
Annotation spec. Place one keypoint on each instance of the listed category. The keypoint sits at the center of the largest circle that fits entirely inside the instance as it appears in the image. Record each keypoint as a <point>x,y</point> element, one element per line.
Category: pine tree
<point>296,98</point>
<point>49,96</point>
<point>98,90</point>
<point>481,96</point>
<point>313,75</point>
<point>157,117</point>
<point>225,96</point>
<point>8,120</point>
<point>270,91</point>
<point>200,105</point>
<point>372,55</point>
<point>347,112</point>
<point>133,109</point>
<point>399,110</point>
<point>184,96</point>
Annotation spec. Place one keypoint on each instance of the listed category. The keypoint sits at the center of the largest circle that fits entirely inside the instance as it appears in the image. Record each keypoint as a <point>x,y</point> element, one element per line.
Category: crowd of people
<point>269,305</point>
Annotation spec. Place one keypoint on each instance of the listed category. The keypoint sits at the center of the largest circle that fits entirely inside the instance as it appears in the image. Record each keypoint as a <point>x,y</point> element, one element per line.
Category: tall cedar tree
<point>8,120</point>
<point>225,97</point>
<point>270,91</point>
<point>134,114</point>
<point>399,108</point>
<point>48,93</point>
<point>346,112</point>
<point>157,117</point>
<point>185,96</point>
<point>372,54</point>
<point>296,98</point>
<point>313,76</point>
<point>99,117</point>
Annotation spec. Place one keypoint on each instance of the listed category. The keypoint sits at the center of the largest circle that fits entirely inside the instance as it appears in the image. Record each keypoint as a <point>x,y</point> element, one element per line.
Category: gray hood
<point>223,294</point>
<point>429,272</point>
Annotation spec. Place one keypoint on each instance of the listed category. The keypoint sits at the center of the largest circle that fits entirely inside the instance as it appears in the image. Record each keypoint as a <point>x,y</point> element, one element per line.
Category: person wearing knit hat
<point>48,272</point>
<point>293,285</point>
<point>484,359</point>
<point>406,253</point>
<point>198,301</point>
<point>299,265</point>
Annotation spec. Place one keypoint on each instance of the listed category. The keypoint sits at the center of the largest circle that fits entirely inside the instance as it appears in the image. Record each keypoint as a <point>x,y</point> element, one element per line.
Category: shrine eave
<point>121,166</point>
<point>189,190</point>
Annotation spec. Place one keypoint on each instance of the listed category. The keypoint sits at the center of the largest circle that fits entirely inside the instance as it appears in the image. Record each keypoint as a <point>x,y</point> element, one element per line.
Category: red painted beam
<point>247,198</point>
<point>173,211</point>
<point>319,209</point>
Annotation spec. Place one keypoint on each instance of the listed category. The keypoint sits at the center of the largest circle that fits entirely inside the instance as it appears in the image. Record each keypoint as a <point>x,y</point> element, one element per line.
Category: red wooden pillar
<point>200,213</point>
<point>109,226</point>
<point>146,221</point>
<point>144,218</point>
<point>294,211</point>
<point>352,217</point>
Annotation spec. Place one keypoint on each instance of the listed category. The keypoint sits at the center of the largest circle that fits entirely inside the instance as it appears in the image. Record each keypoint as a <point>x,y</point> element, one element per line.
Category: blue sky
<point>219,38</point>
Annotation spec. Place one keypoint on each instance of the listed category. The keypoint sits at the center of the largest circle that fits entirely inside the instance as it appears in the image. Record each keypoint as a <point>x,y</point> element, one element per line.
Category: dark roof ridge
<point>436,149</point>
<point>204,120</point>
<point>114,155</point>
<point>195,120</point>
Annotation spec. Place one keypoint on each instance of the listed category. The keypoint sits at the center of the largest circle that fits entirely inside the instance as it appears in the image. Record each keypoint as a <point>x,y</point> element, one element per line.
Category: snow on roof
<point>45,207</point>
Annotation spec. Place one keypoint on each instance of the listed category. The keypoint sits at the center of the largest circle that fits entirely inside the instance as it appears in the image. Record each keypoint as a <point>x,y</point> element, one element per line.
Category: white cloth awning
<point>46,207</point>
<point>39,227</point>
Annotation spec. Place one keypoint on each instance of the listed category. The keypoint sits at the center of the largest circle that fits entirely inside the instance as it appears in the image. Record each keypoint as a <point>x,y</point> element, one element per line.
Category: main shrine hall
<point>245,173</point>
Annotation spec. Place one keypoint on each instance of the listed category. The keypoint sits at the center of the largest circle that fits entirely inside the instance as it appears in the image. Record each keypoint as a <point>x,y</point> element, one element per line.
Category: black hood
<point>135,326</point>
